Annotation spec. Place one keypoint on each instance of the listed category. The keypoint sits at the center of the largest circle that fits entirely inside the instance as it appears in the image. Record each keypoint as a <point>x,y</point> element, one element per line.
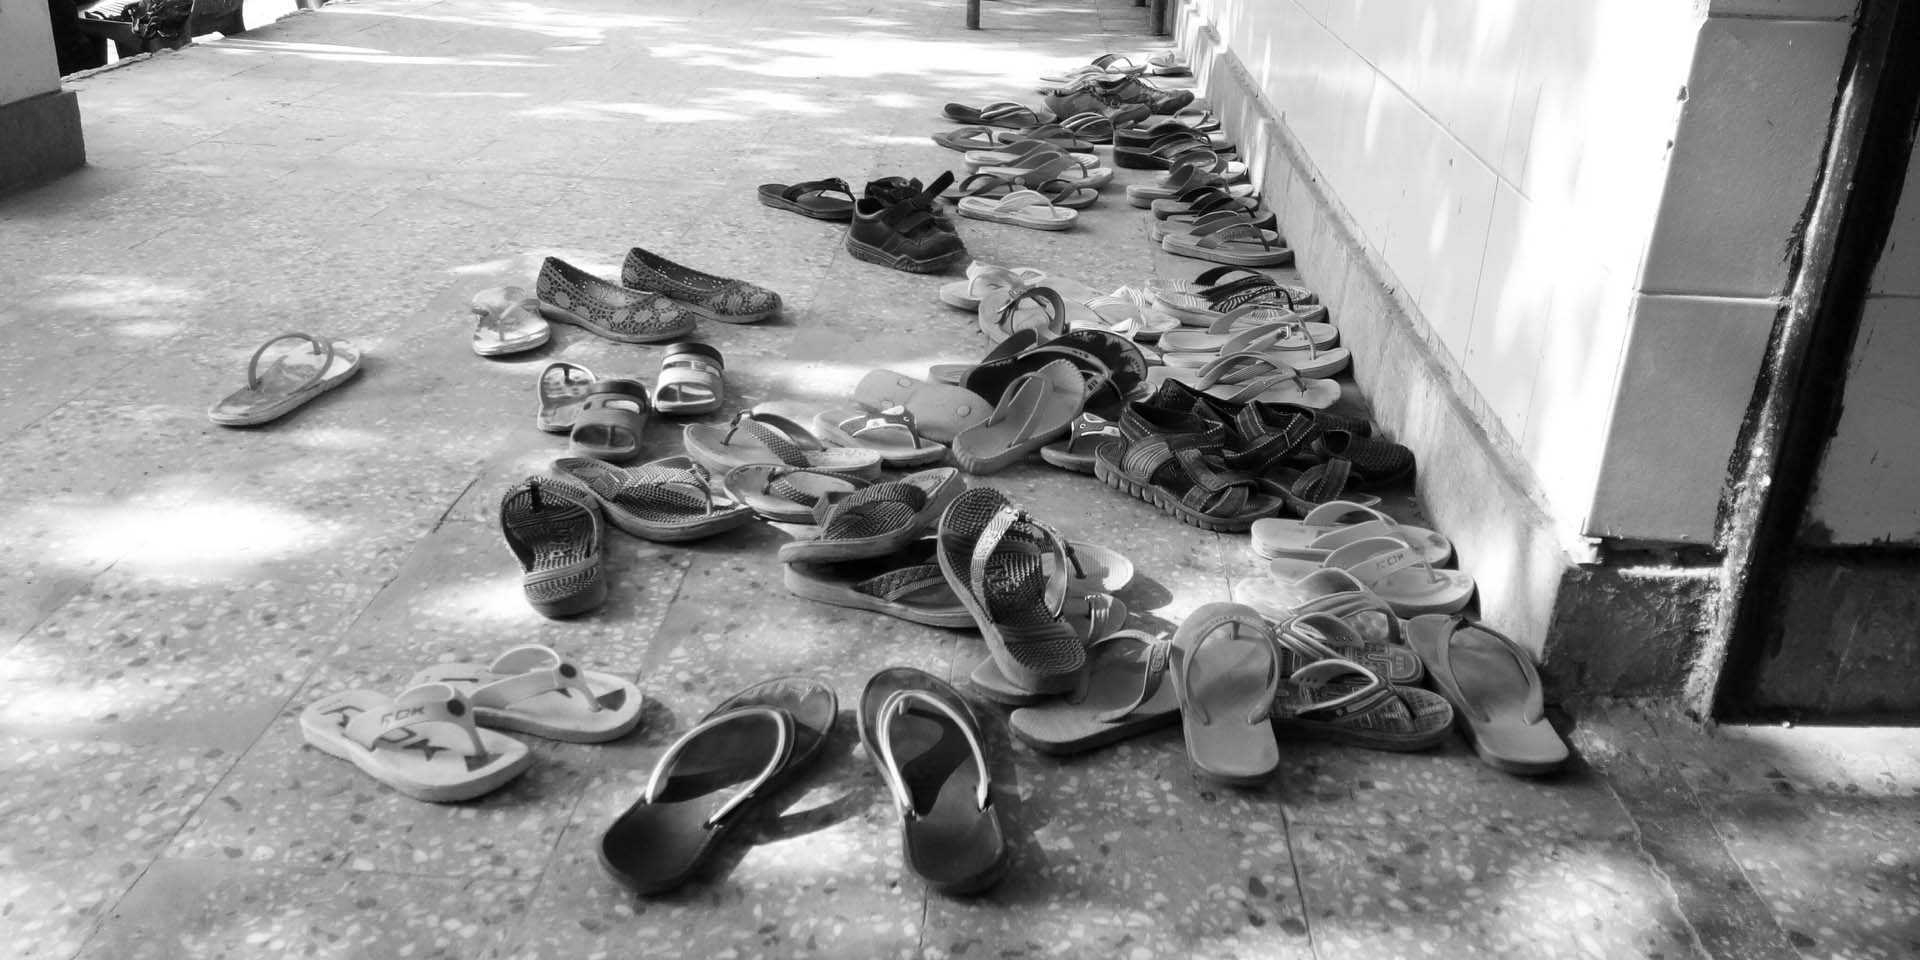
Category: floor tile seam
<point>1299,883</point>
<point>386,583</point>
<point>106,910</point>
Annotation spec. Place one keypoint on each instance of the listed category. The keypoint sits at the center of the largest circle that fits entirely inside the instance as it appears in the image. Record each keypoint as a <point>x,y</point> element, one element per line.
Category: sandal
<point>1240,244</point>
<point>1226,671</point>
<point>1320,631</point>
<point>1057,135</point>
<point>422,743</point>
<point>1174,474</point>
<point>1241,378</point>
<point>692,380</point>
<point>966,139</point>
<point>1342,702</point>
<point>1495,689</point>
<point>940,411</point>
<point>666,501</point>
<point>286,383</point>
<point>611,420</point>
<point>1021,209</point>
<point>1122,695</point>
<point>819,199</point>
<point>575,297</point>
<point>758,437</point>
<point>981,277</point>
<point>1185,175</point>
<point>510,322</point>
<point>718,298</point>
<point>1076,451</point>
<point>563,390</point>
<point>889,433</point>
<point>906,585</point>
<point>1093,617</point>
<point>785,494</point>
<point>874,521</point>
<point>712,778</point>
<point>990,186</point>
<point>531,689</point>
<point>1126,312</point>
<point>1335,524</point>
<point>554,528</point>
<point>1392,571</point>
<point>1000,113</point>
<point>1036,408</point>
<point>1018,610</point>
<point>1306,490</point>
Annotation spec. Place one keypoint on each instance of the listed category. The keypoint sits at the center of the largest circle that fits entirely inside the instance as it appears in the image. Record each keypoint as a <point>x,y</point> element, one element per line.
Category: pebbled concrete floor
<point>179,591</point>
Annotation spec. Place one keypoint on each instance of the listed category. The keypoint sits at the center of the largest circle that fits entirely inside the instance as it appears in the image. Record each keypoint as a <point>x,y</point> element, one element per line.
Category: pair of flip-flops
<point>438,741</point>
<point>605,418</point>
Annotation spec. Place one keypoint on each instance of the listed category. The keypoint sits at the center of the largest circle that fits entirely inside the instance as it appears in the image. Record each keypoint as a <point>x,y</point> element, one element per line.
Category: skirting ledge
<point>41,139</point>
<point>1598,630</point>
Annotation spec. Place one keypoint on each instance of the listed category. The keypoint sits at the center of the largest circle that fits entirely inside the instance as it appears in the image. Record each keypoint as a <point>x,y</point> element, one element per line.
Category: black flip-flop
<point>760,737</point>
<point>814,198</point>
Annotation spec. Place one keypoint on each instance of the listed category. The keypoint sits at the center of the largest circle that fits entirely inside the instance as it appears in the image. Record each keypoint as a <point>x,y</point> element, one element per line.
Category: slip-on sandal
<point>422,743</point>
<point>923,736</point>
<point>554,528</point>
<point>611,420</point>
<point>292,379</point>
<point>1019,608</point>
<point>714,777</point>
<point>510,322</point>
<point>1495,691</point>
<point>1343,702</point>
<point>562,389</point>
<point>692,380</point>
<point>532,689</point>
<point>1076,451</point>
<point>712,296</point>
<point>1104,66</point>
<point>1123,694</point>
<point>874,521</point>
<point>889,433</point>
<point>1282,600</point>
<point>828,199</point>
<point>785,494</point>
<point>1239,378</point>
<point>940,411</point>
<point>577,298</point>
<point>1022,208</point>
<point>967,139</point>
<point>1000,113</point>
<point>1181,475</point>
<point>1394,572</point>
<point>666,501</point>
<point>761,437</point>
<point>1093,617</point>
<point>1333,525</point>
<point>1240,244</point>
<point>991,186</point>
<point>1035,409</point>
<point>906,585</point>
<point>1226,670</point>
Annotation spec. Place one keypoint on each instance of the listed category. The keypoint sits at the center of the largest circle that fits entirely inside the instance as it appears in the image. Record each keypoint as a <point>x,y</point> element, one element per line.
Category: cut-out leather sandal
<point>1495,691</point>
<point>1175,474</point>
<point>532,689</point>
<point>667,501</point>
<point>1076,451</point>
<point>828,199</point>
<point>889,433</point>
<point>554,528</point>
<point>1394,572</point>
<point>906,585</point>
<point>291,380</point>
<point>562,389</point>
<point>692,380</point>
<point>923,736</point>
<point>785,494</point>
<point>1333,525</point>
<point>1226,671</point>
<point>1123,694</point>
<point>1036,408</point>
<point>422,743</point>
<point>611,421</point>
<point>1345,702</point>
<point>715,777</point>
<point>575,297</point>
<point>761,437</point>
<point>1019,608</point>
<point>510,322</point>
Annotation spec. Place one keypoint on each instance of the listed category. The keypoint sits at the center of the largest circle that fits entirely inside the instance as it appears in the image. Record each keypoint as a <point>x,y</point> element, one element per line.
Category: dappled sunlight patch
<point>148,329</point>
<point>609,110</point>
<point>116,296</point>
<point>223,538</point>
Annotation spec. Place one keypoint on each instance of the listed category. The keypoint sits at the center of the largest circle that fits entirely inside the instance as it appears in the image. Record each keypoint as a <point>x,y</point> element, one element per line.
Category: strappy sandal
<point>1173,473</point>
<point>422,743</point>
<point>906,585</point>
<point>1226,671</point>
<point>553,527</point>
<point>759,437</point>
<point>1343,702</point>
<point>562,389</point>
<point>1241,244</point>
<point>1076,451</point>
<point>532,689</point>
<point>289,382</point>
<point>510,322</point>
<point>889,433</point>
<point>692,380</point>
<point>1123,694</point>
<point>1495,690</point>
<point>1000,113</point>
<point>1018,609</point>
<point>785,494</point>
<point>1392,571</point>
<point>1022,208</point>
<point>611,421</point>
<point>829,199</point>
<point>666,501</point>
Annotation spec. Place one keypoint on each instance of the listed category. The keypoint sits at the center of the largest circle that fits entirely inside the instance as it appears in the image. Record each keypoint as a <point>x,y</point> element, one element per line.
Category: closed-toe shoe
<point>1134,90</point>
<point>713,297</point>
<point>906,234</point>
<point>891,191</point>
<point>570,295</point>
<point>1084,98</point>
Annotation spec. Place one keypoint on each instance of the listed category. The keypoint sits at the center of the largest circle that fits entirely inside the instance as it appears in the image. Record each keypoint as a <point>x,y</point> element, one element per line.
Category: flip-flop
<point>1344,702</point>
<point>889,433</point>
<point>422,743</point>
<point>992,186</point>
<point>940,411</point>
<point>785,494</point>
<point>923,736</point>
<point>757,436</point>
<point>692,380</point>
<point>761,737</point>
<point>612,419</point>
<point>1392,571</point>
<point>666,501</point>
<point>966,294</point>
<point>562,389</point>
<point>510,322</point>
<point>966,138</point>
<point>906,585</point>
<point>1076,451</point>
<point>291,380</point>
<point>1240,378</point>
<point>874,521</point>
<point>1000,113</point>
<point>532,689</point>
<point>1037,408</point>
<point>1022,208</point>
<point>1333,525</point>
<point>1225,673</point>
<point>1326,633</point>
<point>1122,695</point>
<point>1495,690</point>
<point>553,527</point>
<point>828,199</point>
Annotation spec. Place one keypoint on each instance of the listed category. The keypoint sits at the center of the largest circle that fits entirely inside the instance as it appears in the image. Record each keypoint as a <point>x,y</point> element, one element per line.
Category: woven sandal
<point>1018,609</point>
<point>1333,525</point>
<point>1022,208</point>
<point>422,743</point>
<point>1036,408</point>
<point>1076,451</point>
<point>785,494</point>
<point>1495,690</point>
<point>575,297</point>
<point>292,379</point>
<point>870,522</point>
<point>1123,694</point>
<point>818,199</point>
<point>510,322</point>
<point>611,420</point>
<point>714,297</point>
<point>532,689</point>
<point>889,433</point>
<point>1173,473</point>
<point>692,380</point>
<point>554,528</point>
<point>562,389</point>
<point>1226,670</point>
<point>667,501</point>
<point>1000,113</point>
<point>1392,571</point>
<point>759,437</point>
<point>1344,702</point>
<point>906,585</point>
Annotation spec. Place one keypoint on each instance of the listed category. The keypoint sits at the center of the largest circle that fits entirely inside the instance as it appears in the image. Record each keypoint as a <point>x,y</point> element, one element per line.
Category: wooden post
<point>973,14</point>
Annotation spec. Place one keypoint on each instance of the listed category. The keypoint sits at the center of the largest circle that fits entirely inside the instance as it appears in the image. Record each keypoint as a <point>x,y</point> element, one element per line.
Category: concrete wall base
<point>42,139</point>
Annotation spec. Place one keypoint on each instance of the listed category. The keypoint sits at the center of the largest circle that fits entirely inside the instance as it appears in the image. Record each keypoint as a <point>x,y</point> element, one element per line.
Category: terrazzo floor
<point>179,591</point>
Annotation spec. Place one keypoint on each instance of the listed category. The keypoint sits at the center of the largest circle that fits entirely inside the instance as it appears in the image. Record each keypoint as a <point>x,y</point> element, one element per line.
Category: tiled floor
<point>179,591</point>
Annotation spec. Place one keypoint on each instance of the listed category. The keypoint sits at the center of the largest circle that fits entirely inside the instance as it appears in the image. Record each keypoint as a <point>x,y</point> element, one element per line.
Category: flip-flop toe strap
<point>321,347</point>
